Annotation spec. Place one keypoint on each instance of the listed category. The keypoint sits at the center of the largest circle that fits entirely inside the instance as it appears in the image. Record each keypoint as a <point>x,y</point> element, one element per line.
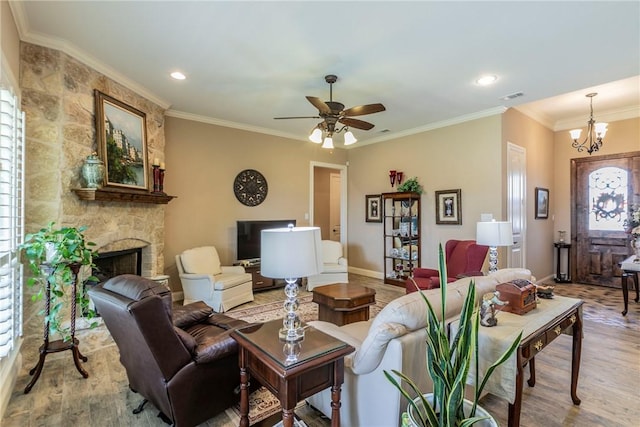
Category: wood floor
<point>608,386</point>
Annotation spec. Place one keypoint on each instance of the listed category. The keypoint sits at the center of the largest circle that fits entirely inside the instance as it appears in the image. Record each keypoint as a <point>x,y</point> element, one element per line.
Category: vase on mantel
<point>93,171</point>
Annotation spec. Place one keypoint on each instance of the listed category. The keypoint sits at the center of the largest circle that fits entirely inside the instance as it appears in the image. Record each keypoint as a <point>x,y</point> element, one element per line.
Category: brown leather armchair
<point>180,358</point>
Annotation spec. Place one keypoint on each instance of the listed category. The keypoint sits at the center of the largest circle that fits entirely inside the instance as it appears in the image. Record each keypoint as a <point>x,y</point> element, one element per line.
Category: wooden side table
<point>630,268</point>
<point>319,364</point>
<point>539,327</point>
<point>342,303</point>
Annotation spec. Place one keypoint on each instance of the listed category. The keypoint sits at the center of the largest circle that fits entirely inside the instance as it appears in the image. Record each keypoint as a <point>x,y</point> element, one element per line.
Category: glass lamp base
<point>292,329</point>
<point>493,259</point>
<point>291,335</point>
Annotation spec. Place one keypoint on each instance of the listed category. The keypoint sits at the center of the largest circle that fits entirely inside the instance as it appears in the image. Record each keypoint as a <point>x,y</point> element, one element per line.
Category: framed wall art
<point>449,207</point>
<point>121,132</point>
<point>373,207</point>
<point>542,203</point>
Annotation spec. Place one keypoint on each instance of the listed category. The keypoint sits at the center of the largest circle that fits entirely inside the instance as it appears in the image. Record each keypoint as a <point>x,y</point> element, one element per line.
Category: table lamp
<point>289,254</point>
<point>493,234</point>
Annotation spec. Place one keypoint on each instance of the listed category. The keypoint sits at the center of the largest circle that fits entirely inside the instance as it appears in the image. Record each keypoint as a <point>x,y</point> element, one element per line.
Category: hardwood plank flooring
<point>608,385</point>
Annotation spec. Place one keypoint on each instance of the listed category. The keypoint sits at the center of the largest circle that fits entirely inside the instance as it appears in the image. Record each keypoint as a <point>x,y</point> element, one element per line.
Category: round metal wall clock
<point>250,187</point>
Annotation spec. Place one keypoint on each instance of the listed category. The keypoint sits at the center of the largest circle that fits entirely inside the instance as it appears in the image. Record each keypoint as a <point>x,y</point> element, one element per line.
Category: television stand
<point>261,283</point>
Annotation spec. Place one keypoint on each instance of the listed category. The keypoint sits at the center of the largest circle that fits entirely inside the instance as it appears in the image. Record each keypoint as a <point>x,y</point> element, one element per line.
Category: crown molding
<point>29,36</point>
<point>229,124</point>
<point>602,116</point>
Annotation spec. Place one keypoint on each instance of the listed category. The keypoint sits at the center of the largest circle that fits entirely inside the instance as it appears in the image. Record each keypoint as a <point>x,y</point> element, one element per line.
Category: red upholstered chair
<point>463,257</point>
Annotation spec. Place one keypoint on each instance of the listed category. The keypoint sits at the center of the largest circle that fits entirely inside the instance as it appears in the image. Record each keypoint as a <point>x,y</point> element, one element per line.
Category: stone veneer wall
<point>57,97</point>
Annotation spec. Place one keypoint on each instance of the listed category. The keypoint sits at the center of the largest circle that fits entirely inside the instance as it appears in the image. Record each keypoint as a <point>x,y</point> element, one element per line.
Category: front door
<point>603,189</point>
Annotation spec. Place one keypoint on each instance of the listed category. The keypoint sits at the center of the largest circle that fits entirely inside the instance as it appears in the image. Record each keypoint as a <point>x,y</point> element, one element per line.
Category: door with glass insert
<point>604,188</point>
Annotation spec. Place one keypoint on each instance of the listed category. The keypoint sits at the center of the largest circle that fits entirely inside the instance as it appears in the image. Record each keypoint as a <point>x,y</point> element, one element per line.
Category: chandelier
<point>319,135</point>
<point>595,133</point>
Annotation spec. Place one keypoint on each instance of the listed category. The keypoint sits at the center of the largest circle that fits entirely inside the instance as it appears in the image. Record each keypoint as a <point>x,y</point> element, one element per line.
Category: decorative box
<point>520,295</point>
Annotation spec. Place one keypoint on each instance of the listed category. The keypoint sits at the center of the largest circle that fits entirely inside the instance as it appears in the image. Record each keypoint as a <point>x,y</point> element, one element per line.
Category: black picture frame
<point>449,207</point>
<point>121,133</point>
<point>542,203</point>
<point>373,206</point>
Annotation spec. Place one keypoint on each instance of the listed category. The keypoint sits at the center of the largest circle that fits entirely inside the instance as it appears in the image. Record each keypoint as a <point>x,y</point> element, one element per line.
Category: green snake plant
<point>448,362</point>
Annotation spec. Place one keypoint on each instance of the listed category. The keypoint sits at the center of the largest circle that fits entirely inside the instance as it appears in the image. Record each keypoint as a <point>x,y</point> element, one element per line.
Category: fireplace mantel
<point>121,195</point>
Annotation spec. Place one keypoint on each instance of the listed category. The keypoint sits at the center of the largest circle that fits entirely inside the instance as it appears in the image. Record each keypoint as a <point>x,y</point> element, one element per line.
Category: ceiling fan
<point>333,112</point>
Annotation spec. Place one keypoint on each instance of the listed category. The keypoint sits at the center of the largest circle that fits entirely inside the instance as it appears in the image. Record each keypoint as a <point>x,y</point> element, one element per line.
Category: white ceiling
<point>248,62</point>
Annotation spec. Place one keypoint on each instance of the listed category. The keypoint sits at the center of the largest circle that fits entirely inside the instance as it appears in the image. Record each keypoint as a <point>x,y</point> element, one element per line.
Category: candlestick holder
<point>161,178</point>
<point>156,178</point>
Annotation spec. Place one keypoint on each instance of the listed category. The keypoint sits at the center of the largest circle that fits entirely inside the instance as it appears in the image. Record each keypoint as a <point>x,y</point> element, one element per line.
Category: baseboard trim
<point>368,273</point>
<point>177,296</point>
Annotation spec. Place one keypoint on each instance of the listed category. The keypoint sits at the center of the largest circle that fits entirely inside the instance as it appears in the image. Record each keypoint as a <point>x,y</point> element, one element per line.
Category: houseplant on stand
<point>448,362</point>
<point>54,257</point>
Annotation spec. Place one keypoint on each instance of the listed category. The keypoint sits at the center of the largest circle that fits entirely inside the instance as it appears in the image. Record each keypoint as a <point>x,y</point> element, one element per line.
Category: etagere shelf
<point>401,218</point>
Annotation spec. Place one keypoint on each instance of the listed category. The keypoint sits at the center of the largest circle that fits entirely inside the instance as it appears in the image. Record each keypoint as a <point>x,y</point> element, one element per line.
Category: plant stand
<point>59,345</point>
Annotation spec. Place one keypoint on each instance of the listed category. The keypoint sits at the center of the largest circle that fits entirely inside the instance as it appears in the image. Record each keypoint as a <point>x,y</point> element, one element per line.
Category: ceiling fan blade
<point>297,117</point>
<point>319,104</point>
<point>355,123</point>
<point>361,110</point>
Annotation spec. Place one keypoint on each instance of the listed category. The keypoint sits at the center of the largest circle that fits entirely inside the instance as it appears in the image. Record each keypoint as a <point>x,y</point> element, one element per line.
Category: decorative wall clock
<point>250,187</point>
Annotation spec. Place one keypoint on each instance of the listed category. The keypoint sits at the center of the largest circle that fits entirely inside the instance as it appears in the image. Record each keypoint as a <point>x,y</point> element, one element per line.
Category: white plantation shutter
<point>11,219</point>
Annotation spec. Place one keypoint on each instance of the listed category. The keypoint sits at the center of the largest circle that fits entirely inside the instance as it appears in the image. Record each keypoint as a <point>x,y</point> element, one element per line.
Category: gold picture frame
<point>121,133</point>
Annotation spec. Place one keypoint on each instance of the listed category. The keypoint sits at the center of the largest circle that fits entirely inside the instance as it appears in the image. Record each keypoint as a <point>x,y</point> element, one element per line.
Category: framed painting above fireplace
<point>122,142</point>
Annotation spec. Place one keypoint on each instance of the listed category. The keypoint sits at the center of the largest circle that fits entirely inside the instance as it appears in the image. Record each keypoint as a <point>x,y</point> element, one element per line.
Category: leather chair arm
<point>186,315</point>
<point>425,272</point>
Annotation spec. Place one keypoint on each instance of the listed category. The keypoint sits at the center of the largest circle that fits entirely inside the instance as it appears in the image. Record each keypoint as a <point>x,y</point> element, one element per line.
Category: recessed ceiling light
<point>178,75</point>
<point>486,80</point>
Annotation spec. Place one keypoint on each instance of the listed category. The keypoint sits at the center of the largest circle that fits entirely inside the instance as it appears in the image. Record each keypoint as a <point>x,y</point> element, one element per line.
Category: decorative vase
<point>93,171</point>
<point>480,412</point>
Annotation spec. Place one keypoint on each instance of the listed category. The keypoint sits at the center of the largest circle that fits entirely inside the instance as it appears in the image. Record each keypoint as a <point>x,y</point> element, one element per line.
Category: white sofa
<point>204,279</point>
<point>394,339</point>
<point>334,266</point>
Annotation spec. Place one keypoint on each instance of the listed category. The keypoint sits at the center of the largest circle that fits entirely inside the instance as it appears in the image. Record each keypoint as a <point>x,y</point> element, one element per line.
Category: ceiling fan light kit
<point>334,113</point>
<point>595,133</point>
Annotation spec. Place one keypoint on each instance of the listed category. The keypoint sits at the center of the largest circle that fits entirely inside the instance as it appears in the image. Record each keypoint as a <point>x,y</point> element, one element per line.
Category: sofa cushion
<point>203,260</point>
<point>230,280</point>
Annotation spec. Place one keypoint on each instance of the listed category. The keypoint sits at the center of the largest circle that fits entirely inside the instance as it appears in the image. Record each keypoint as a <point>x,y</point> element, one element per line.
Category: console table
<point>319,364</point>
<point>539,327</point>
<point>630,268</point>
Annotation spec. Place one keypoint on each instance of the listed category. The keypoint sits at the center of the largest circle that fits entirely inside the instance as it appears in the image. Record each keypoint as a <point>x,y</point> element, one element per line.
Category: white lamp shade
<point>316,136</point>
<point>601,129</point>
<point>575,133</point>
<point>494,233</point>
<point>349,138</point>
<point>290,252</point>
<point>328,142</point>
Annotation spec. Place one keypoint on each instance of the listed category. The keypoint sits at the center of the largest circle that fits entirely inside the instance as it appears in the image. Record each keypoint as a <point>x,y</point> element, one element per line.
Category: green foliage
<point>448,362</point>
<point>118,170</point>
<point>411,185</point>
<point>52,254</point>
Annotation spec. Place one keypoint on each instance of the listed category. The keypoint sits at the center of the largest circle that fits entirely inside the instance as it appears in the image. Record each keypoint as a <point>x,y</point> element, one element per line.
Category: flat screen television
<point>249,232</point>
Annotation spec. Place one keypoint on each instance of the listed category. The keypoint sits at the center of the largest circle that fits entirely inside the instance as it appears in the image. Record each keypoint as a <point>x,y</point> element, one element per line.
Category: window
<point>609,198</point>
<point>11,219</point>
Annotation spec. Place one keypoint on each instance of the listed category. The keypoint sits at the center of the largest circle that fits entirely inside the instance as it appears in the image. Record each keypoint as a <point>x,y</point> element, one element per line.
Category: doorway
<point>328,208</point>
<point>516,203</point>
<point>602,190</point>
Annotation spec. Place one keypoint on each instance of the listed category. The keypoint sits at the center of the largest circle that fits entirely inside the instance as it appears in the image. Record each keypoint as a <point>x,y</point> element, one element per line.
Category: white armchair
<point>204,279</point>
<point>334,266</point>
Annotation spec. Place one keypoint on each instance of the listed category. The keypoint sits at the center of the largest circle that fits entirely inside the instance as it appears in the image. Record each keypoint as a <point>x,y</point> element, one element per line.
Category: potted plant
<point>411,185</point>
<point>448,362</point>
<point>54,256</point>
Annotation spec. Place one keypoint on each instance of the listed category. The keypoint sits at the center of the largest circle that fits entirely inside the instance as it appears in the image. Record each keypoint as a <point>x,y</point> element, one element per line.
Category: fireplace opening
<point>111,264</point>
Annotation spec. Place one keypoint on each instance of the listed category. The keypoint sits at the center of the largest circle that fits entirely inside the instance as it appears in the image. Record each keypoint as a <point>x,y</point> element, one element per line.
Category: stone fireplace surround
<point>57,97</point>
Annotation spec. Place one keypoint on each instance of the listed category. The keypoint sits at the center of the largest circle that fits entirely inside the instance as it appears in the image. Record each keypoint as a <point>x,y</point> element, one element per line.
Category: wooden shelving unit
<point>401,218</point>
<point>121,195</point>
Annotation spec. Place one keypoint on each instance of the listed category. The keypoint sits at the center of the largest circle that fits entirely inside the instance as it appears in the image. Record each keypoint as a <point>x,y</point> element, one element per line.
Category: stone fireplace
<point>58,99</point>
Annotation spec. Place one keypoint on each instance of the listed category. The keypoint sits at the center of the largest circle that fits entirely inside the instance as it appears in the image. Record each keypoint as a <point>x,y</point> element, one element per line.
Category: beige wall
<point>10,44</point>
<point>202,162</point>
<point>537,140</point>
<point>467,156</point>
<point>622,136</point>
